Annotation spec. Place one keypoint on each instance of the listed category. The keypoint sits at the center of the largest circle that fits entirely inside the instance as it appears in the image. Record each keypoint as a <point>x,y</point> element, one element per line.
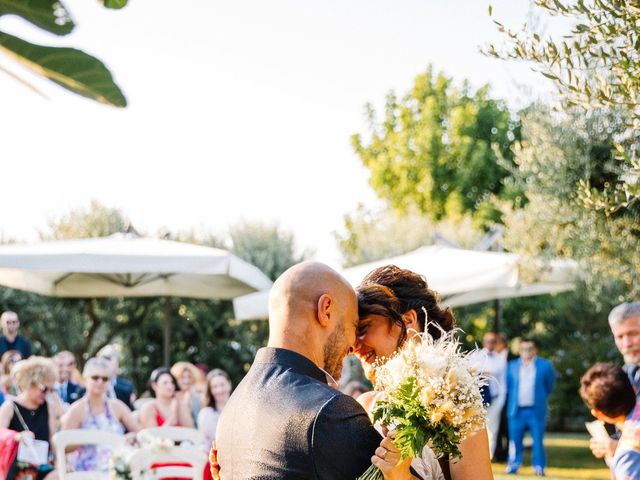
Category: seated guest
<point>30,414</point>
<point>96,411</point>
<point>165,408</point>
<point>119,387</point>
<point>9,359</point>
<point>215,398</point>
<point>67,390</point>
<point>188,375</point>
<point>10,340</point>
<point>607,391</point>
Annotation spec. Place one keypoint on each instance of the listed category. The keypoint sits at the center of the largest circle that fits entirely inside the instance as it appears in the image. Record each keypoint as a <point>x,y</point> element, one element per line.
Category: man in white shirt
<point>502,442</point>
<point>494,366</point>
<point>530,381</point>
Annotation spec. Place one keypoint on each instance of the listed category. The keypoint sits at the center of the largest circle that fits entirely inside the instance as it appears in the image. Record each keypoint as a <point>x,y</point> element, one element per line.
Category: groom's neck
<point>299,345</point>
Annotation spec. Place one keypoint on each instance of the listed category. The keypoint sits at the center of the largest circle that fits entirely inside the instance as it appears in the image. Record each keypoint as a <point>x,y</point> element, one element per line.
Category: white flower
<point>431,364</point>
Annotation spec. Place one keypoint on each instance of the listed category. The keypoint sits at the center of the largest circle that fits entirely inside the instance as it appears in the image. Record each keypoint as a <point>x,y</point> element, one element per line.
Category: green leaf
<point>72,69</point>
<point>490,10</point>
<point>115,3</point>
<point>49,15</point>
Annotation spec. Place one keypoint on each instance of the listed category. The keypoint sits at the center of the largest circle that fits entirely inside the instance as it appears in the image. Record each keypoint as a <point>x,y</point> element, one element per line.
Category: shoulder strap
<point>22,422</point>
<point>444,466</point>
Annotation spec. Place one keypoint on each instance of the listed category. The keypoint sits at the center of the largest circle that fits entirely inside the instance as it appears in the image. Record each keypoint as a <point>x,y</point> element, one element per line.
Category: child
<point>607,391</point>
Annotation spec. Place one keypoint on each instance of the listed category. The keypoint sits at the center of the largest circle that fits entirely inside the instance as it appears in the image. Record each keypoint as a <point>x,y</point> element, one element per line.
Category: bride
<point>390,306</point>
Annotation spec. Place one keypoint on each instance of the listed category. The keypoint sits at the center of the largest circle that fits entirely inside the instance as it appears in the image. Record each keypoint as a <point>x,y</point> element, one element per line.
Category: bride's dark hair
<point>374,299</point>
<point>412,292</point>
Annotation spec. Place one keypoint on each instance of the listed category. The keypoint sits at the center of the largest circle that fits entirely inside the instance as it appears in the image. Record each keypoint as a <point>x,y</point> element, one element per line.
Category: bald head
<point>308,304</point>
<point>298,289</point>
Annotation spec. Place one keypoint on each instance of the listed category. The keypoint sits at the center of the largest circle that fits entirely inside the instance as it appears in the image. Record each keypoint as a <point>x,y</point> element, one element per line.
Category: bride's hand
<point>387,459</point>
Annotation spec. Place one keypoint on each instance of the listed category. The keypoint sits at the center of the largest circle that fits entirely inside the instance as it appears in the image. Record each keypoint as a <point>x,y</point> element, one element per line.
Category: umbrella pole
<point>497,321</point>
<point>167,332</point>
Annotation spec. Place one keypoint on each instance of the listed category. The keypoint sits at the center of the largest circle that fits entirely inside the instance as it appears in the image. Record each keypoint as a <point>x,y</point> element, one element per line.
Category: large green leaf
<point>115,3</point>
<point>50,15</point>
<point>72,69</point>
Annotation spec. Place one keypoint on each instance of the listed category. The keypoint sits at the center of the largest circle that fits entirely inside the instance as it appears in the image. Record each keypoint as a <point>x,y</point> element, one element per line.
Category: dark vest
<point>284,422</point>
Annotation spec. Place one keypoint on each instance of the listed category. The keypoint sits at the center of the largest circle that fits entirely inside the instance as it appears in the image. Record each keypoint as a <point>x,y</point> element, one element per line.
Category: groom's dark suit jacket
<point>284,422</point>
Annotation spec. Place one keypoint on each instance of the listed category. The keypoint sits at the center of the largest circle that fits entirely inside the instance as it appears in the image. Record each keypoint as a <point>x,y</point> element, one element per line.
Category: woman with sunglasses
<point>30,414</point>
<point>394,304</point>
<point>96,411</point>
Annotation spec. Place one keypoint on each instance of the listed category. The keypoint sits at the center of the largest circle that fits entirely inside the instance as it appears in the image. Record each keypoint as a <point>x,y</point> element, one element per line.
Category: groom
<point>287,420</point>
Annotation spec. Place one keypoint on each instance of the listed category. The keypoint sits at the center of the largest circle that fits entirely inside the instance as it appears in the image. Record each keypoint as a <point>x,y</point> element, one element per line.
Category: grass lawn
<point>568,457</point>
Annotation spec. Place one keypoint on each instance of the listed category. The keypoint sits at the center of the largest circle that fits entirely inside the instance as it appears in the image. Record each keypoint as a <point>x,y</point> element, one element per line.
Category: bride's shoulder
<point>367,399</point>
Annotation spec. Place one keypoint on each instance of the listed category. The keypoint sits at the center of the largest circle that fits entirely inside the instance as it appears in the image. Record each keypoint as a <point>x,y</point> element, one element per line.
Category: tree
<point>373,235</point>
<point>70,68</point>
<point>265,246</point>
<point>594,65</point>
<point>95,221</point>
<point>441,150</point>
<point>559,153</point>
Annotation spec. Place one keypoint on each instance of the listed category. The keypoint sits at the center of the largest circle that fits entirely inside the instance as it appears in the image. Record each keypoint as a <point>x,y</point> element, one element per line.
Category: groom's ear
<point>325,307</point>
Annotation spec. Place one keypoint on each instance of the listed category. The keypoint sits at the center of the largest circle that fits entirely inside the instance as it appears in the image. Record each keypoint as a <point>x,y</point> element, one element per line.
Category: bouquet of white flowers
<point>432,396</point>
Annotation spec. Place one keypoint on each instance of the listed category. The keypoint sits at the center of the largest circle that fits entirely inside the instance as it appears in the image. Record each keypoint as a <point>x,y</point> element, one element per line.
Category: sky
<point>237,110</point>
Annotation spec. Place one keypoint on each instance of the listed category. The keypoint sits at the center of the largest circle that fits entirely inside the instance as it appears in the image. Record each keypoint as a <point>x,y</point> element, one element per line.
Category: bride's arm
<point>367,400</point>
<point>475,463</point>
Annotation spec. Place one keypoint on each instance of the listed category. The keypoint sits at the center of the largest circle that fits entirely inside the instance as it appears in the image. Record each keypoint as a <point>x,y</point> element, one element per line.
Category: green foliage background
<point>557,154</point>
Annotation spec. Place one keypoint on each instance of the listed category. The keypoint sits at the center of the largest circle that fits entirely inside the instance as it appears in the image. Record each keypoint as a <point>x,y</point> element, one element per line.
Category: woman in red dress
<point>166,408</point>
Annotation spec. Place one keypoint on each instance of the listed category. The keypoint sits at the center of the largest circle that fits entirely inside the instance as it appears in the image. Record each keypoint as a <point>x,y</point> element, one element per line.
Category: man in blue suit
<point>530,381</point>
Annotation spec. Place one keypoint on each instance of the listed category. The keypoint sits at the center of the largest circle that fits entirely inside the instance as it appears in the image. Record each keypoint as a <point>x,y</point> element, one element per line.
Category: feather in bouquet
<point>432,396</point>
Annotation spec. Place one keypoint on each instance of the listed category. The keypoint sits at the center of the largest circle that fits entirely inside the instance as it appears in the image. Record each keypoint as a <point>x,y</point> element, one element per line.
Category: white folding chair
<point>66,438</point>
<point>177,434</point>
<point>140,462</point>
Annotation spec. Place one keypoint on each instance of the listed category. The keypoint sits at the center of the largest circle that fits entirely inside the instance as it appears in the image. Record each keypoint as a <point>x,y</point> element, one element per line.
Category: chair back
<point>176,434</point>
<point>168,462</point>
<point>65,438</point>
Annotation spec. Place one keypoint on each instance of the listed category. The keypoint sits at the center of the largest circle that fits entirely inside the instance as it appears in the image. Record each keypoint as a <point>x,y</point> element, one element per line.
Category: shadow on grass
<point>568,457</point>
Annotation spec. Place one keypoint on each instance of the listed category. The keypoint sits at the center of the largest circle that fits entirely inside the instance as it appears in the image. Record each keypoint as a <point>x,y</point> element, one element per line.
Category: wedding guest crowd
<point>40,396</point>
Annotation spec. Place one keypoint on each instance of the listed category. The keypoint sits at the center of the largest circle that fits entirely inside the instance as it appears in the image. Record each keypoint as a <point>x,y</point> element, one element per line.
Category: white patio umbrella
<point>129,266</point>
<point>462,277</point>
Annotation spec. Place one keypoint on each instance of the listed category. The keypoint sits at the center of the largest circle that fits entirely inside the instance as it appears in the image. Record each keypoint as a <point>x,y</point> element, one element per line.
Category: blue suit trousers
<point>525,419</point>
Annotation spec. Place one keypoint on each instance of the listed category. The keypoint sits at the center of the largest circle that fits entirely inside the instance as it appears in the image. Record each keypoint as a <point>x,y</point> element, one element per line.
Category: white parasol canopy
<point>129,266</point>
<point>461,277</point>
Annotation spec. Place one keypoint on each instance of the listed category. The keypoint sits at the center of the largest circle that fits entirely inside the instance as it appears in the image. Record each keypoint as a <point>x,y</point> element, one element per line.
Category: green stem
<point>372,473</point>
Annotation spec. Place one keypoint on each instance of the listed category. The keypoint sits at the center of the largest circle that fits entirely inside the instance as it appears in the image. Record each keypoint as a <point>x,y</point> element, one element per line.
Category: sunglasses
<point>45,388</point>
<point>95,378</point>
